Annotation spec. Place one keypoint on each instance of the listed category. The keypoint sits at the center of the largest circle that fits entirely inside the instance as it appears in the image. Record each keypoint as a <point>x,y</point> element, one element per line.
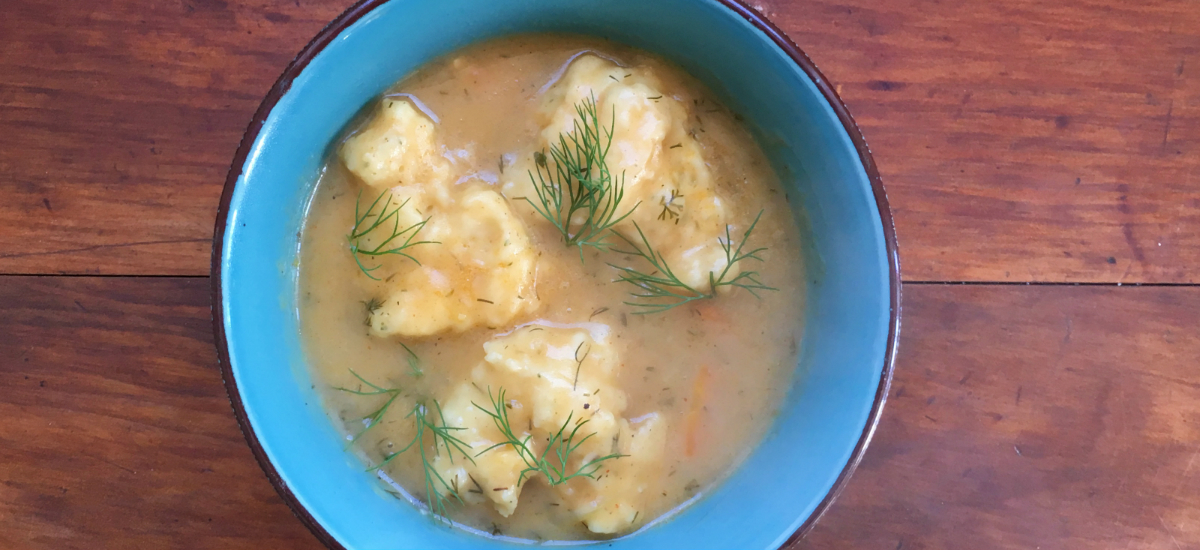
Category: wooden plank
<point>1027,417</point>
<point>1019,141</point>
<point>119,120</point>
<point>1025,140</point>
<point>1065,417</point>
<point>117,431</point>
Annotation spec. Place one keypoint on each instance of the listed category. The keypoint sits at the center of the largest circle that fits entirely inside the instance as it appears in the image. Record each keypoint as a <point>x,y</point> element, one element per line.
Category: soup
<point>550,288</point>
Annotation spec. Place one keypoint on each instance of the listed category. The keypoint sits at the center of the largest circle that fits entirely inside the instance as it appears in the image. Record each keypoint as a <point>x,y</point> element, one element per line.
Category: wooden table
<point>1043,163</point>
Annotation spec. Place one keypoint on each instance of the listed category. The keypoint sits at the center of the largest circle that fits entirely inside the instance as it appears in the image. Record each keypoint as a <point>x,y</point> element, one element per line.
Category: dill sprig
<point>438,491</point>
<point>578,195</point>
<point>398,240</point>
<point>372,305</point>
<point>671,210</point>
<point>660,289</point>
<point>552,462</point>
<point>375,417</point>
<point>414,363</point>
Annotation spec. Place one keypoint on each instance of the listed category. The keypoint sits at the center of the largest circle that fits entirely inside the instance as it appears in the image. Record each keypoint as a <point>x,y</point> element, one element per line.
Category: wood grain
<point>118,121</point>
<point>1020,141</point>
<point>117,431</point>
<point>1025,140</point>
<point>1033,417</point>
<point>1059,417</point>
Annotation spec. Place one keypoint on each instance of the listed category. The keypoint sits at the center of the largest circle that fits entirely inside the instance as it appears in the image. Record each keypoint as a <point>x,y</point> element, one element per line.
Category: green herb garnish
<point>660,289</point>
<point>552,462</point>
<point>372,306</point>
<point>671,210</point>
<point>438,491</point>
<point>373,418</point>
<point>575,190</point>
<point>398,239</point>
<point>414,363</point>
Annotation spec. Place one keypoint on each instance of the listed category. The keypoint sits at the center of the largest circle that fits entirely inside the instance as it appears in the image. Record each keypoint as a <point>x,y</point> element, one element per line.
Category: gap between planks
<point>103,276</point>
<point>922,283</point>
<point>1046,283</point>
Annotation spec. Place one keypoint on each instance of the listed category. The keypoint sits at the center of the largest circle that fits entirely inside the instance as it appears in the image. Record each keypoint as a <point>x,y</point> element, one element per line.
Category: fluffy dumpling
<point>560,373</point>
<point>478,266</point>
<point>480,272</point>
<point>626,100</point>
<point>557,376</point>
<point>492,476</point>
<point>681,213</point>
<point>399,147</point>
<point>612,501</point>
<point>653,149</point>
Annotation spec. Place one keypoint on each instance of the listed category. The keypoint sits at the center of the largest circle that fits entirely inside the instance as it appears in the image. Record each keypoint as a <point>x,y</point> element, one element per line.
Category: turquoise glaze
<point>846,345</point>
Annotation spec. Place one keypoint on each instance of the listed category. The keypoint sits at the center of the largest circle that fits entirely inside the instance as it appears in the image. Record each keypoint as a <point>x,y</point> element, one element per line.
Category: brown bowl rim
<point>361,8</point>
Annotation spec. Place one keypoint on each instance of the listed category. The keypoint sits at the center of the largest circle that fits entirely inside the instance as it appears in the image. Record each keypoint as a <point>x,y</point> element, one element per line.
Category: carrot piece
<point>692,422</point>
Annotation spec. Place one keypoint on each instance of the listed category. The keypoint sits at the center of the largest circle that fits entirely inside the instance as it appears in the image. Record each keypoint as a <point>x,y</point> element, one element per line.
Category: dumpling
<point>492,476</point>
<point>478,267</point>
<point>480,273</point>
<point>654,151</point>
<point>624,104</point>
<point>399,147</point>
<point>560,373</point>
<point>681,213</point>
<point>612,501</point>
<point>557,376</point>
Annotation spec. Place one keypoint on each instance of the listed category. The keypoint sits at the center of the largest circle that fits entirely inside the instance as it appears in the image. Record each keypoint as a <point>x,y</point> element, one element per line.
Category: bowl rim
<point>363,7</point>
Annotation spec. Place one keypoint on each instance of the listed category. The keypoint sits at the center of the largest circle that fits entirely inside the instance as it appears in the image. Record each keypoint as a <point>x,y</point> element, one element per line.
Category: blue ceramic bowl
<point>853,306</point>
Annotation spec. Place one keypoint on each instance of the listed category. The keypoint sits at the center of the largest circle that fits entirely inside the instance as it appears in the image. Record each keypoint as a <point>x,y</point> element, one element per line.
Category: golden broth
<point>485,99</point>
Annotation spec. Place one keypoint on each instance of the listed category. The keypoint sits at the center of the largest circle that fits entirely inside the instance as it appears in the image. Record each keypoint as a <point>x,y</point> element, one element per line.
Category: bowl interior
<point>848,312</point>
